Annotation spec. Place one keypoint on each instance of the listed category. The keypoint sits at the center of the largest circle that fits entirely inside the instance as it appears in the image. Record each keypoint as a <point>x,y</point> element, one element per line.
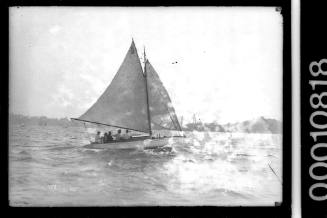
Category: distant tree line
<point>40,120</point>
<point>259,125</point>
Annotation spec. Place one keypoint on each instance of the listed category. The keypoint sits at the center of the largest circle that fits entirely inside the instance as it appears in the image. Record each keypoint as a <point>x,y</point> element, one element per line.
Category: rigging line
<point>109,125</point>
<point>275,173</point>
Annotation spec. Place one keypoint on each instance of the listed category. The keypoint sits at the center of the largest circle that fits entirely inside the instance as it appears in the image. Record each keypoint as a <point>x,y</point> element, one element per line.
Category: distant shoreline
<point>258,125</point>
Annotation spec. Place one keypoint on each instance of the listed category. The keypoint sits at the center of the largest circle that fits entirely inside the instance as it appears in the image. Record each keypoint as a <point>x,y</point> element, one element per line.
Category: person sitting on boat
<point>105,138</point>
<point>109,137</point>
<point>97,138</point>
<point>118,135</point>
<point>126,135</point>
<point>102,139</point>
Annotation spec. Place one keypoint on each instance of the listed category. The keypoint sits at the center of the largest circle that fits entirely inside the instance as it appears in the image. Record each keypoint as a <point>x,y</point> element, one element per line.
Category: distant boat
<point>135,100</point>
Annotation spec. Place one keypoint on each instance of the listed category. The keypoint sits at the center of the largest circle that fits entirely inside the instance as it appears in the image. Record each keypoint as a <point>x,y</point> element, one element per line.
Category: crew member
<point>105,138</point>
<point>118,135</point>
<point>126,135</point>
<point>97,138</point>
<point>109,137</point>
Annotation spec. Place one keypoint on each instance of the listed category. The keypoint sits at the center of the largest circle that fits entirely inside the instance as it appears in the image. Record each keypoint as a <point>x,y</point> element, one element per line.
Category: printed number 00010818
<point>320,112</point>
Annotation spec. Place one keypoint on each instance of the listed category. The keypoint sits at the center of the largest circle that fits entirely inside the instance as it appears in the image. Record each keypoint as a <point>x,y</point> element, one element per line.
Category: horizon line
<point>58,118</point>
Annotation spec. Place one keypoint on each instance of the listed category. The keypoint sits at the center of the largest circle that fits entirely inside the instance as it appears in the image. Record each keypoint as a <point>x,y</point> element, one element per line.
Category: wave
<point>203,167</point>
<point>60,148</point>
<point>166,150</point>
<point>90,150</point>
<point>22,156</point>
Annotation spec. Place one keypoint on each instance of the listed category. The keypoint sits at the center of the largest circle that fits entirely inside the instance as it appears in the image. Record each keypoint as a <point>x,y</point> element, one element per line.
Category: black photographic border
<point>282,210</point>
<point>313,48</point>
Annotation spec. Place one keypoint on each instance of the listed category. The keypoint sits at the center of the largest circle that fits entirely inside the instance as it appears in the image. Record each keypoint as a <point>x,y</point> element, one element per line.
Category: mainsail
<point>134,100</point>
<point>123,104</point>
<point>162,112</point>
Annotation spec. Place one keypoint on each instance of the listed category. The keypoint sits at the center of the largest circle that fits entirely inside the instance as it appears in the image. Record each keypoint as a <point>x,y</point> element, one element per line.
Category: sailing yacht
<point>136,100</point>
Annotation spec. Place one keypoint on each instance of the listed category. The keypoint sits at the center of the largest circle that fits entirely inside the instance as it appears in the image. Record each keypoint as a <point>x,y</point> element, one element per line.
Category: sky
<point>229,59</point>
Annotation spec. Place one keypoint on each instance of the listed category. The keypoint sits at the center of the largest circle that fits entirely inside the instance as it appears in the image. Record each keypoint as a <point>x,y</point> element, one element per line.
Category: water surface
<point>48,166</point>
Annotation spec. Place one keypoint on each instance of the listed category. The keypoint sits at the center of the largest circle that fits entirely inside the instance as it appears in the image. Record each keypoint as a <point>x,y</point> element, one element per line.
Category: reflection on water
<point>49,166</point>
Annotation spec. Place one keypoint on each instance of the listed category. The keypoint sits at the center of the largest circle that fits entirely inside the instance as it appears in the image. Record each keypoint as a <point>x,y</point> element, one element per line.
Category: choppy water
<point>49,167</point>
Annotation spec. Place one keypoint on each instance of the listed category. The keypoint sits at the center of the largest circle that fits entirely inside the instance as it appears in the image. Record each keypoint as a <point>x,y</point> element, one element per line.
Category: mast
<point>147,93</point>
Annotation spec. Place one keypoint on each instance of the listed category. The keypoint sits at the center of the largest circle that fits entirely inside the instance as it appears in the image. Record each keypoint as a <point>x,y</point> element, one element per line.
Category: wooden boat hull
<point>139,143</point>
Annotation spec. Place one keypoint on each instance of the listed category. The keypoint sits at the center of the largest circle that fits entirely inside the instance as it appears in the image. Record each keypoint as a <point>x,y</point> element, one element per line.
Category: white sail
<point>162,112</point>
<point>123,103</point>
